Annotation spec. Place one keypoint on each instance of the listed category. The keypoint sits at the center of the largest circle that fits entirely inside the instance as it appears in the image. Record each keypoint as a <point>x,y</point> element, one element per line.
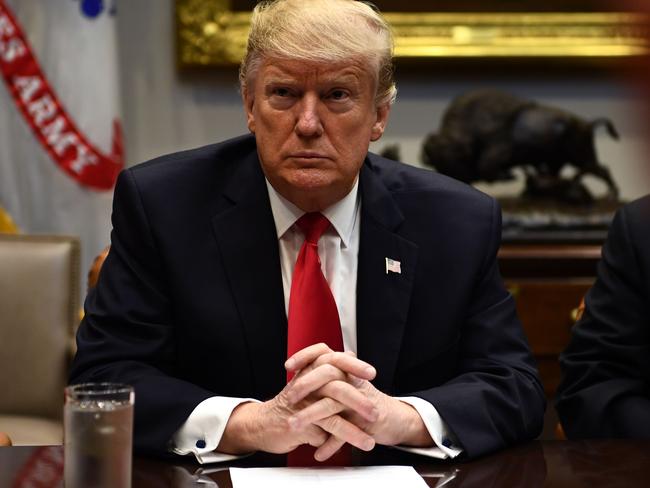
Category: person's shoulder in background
<point>605,390</point>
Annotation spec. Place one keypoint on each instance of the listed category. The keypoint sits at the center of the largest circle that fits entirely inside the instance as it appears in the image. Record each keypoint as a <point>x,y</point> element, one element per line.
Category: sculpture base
<point>542,220</point>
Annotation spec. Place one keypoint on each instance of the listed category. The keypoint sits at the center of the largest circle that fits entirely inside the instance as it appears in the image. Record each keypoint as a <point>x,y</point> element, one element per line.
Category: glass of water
<point>98,435</point>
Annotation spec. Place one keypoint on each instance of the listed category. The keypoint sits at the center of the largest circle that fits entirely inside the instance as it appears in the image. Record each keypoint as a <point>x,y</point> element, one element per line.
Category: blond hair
<point>321,31</point>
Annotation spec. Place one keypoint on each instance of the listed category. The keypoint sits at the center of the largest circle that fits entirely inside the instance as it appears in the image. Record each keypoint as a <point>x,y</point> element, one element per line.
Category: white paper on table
<point>352,477</point>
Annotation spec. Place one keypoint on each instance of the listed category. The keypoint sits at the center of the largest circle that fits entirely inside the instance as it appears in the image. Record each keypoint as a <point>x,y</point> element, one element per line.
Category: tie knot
<point>313,225</point>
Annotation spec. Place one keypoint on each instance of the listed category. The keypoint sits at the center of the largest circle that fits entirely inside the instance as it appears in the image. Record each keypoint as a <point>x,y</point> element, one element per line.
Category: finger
<point>319,410</point>
<point>355,381</point>
<point>310,381</point>
<point>354,400</point>
<point>328,448</point>
<point>346,362</point>
<point>347,432</point>
<point>316,436</point>
<point>305,356</point>
<point>337,396</point>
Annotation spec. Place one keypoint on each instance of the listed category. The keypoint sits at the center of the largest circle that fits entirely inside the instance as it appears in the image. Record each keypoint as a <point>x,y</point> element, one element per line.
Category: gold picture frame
<point>209,33</point>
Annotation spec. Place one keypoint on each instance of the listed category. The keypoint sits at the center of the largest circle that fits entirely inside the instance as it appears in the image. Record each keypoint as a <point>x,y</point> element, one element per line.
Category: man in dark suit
<point>605,391</point>
<point>214,265</point>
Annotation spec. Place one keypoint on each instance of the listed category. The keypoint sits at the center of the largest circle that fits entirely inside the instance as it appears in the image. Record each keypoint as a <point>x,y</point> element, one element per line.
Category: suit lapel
<point>382,298</point>
<point>246,237</point>
<point>248,244</point>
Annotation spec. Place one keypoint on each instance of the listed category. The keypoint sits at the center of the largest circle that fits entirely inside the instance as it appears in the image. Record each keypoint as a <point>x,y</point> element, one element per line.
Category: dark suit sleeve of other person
<point>605,390</point>
<point>462,348</point>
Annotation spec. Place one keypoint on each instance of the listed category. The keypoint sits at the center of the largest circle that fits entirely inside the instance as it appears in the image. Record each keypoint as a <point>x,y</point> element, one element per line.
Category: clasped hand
<point>329,402</point>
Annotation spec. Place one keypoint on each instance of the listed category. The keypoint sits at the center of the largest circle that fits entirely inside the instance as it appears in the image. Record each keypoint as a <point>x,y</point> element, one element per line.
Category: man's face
<point>313,123</point>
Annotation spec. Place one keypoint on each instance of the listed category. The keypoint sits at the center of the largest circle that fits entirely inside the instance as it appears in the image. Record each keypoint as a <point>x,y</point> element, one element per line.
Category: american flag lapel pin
<point>393,266</point>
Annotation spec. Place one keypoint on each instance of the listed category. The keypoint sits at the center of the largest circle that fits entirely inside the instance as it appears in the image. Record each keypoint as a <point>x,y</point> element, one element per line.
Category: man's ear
<point>380,123</point>
<point>249,102</point>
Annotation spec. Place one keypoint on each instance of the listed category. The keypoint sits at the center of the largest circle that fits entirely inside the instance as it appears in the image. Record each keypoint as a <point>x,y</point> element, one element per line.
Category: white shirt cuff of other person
<point>338,249</point>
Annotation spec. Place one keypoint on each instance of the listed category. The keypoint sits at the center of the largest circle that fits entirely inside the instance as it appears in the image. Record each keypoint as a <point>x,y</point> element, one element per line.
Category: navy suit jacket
<point>190,302</point>
<point>605,391</point>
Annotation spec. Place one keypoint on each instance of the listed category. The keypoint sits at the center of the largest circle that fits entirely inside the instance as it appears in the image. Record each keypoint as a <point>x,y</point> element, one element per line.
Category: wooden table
<point>588,464</point>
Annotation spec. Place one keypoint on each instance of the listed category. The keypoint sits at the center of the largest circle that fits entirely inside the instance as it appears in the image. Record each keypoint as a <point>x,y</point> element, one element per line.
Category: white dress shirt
<point>338,249</point>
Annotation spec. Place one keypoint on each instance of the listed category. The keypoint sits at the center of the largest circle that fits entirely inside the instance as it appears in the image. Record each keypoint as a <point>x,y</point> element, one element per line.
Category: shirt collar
<point>342,215</point>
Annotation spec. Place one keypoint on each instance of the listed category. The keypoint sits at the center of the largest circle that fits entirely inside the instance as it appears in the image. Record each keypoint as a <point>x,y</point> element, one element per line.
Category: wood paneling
<point>548,281</point>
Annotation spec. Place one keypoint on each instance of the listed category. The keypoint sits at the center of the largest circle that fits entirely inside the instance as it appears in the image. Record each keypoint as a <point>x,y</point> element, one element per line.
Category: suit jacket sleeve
<point>495,399</point>
<point>606,367</point>
<point>127,335</point>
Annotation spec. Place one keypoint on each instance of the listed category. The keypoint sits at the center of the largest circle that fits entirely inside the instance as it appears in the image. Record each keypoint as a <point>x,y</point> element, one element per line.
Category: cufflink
<point>445,442</point>
<point>200,444</point>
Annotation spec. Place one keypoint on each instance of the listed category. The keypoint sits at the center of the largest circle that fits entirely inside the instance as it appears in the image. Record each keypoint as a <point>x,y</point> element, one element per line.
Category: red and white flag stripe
<point>54,128</point>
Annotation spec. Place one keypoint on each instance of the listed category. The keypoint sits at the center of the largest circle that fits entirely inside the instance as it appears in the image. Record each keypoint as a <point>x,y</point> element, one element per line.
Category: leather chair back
<point>39,313</point>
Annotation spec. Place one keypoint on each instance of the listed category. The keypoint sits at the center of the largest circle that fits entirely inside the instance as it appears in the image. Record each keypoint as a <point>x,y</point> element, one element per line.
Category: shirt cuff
<point>446,445</point>
<point>202,431</point>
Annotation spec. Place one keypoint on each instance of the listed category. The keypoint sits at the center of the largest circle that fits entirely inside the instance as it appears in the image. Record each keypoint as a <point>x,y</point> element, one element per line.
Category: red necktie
<point>313,317</point>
